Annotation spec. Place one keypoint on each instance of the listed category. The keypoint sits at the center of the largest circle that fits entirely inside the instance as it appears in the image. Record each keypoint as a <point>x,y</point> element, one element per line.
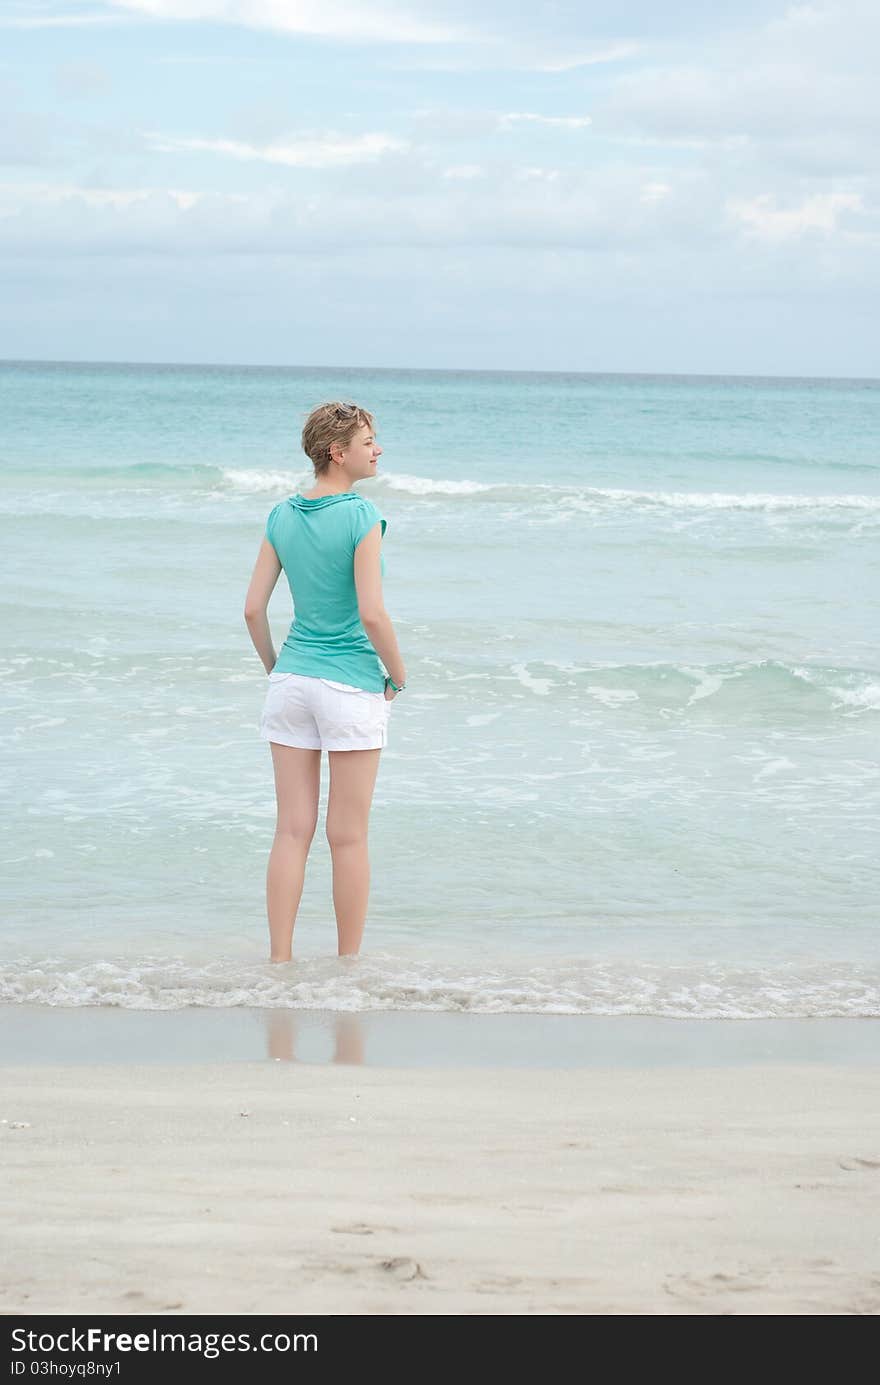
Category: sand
<point>285,1187</point>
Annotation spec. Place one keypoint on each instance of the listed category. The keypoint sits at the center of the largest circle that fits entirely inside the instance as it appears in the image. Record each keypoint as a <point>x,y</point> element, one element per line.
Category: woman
<point>327,690</point>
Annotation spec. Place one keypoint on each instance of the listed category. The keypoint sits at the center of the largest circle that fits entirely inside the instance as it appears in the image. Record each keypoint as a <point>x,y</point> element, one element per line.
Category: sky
<point>509,185</point>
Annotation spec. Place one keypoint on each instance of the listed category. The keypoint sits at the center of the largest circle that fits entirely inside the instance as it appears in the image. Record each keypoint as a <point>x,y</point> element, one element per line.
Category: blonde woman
<point>326,689</point>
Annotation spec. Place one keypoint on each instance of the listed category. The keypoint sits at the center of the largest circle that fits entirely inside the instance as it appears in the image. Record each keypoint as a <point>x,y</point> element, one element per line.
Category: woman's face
<point>363,453</point>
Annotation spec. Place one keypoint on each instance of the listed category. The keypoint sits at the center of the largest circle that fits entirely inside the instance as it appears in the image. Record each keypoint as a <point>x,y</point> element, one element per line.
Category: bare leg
<point>352,779</point>
<point>297,789</point>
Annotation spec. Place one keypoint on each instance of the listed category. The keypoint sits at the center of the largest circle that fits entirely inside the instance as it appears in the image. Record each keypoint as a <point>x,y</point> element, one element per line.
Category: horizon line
<point>433,370</point>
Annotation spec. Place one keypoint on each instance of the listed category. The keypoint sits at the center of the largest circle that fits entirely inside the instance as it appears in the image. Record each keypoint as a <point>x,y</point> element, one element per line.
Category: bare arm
<point>267,570</point>
<point>371,603</point>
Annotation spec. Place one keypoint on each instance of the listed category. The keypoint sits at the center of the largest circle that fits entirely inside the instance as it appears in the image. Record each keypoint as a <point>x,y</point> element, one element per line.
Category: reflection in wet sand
<point>282,1032</point>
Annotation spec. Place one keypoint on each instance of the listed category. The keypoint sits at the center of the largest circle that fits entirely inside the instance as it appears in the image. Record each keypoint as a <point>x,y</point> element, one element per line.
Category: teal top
<point>315,541</point>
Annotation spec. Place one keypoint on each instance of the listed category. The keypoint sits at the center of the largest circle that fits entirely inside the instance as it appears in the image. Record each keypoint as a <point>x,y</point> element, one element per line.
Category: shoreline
<point>84,1035</point>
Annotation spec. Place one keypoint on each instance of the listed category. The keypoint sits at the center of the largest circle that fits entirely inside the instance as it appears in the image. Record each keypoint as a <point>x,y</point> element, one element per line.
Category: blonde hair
<point>329,423</point>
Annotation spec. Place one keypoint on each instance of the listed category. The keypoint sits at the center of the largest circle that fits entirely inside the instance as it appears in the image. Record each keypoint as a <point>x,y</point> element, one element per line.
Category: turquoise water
<point>636,769</point>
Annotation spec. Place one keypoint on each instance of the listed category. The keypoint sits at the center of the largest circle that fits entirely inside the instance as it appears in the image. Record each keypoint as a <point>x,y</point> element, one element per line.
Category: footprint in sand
<point>687,1286</point>
<point>360,1228</point>
<point>164,1308</point>
<point>402,1267</point>
<point>855,1163</point>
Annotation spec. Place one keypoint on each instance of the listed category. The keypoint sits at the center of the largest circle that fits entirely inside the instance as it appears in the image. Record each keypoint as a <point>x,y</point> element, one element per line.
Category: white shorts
<point>318,714</point>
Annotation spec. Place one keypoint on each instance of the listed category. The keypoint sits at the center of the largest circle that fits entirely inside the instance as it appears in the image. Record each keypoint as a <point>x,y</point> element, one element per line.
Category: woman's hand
<point>390,694</point>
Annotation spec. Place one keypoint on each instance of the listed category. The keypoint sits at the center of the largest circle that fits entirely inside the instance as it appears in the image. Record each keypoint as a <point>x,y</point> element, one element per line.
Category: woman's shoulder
<point>271,520</point>
<point>366,516</point>
<point>369,506</point>
<point>366,511</point>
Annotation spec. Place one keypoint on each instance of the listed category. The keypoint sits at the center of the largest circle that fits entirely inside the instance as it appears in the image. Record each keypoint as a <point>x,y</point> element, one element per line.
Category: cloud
<point>316,151</point>
<point>655,192</point>
<point>601,210</point>
<point>566,63</point>
<point>449,123</point>
<point>507,38</point>
<point>60,20</point>
<point>820,212</point>
<point>501,51</point>
<point>595,211</point>
<point>809,72</point>
<point>321,18</point>
<point>334,150</point>
<point>530,174</point>
<point>53,194</point>
<point>562,122</point>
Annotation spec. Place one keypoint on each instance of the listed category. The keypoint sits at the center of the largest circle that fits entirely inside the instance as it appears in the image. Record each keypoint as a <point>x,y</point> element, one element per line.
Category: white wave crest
<point>564,986</point>
<point>247,481</point>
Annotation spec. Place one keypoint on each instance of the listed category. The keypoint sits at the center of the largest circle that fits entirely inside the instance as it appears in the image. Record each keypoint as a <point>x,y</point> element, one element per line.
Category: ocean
<point>636,769</point>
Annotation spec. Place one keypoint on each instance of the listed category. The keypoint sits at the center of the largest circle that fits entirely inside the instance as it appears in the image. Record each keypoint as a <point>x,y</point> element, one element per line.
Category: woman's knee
<point>297,829</point>
<point>346,833</point>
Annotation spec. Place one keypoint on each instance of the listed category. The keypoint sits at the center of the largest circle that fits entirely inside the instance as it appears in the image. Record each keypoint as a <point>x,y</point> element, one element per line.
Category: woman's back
<point>315,540</point>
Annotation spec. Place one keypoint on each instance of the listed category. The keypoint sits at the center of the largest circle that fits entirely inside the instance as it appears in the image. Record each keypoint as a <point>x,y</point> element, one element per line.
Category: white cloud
<point>806,73</point>
<point>616,53</point>
<point>318,151</point>
<point>333,150</point>
<point>562,122</point>
<point>321,18</point>
<point>528,174</point>
<point>462,124</point>
<point>499,52</point>
<point>655,192</point>
<point>59,19</point>
<point>594,210</point>
<point>820,212</point>
<point>15,197</point>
